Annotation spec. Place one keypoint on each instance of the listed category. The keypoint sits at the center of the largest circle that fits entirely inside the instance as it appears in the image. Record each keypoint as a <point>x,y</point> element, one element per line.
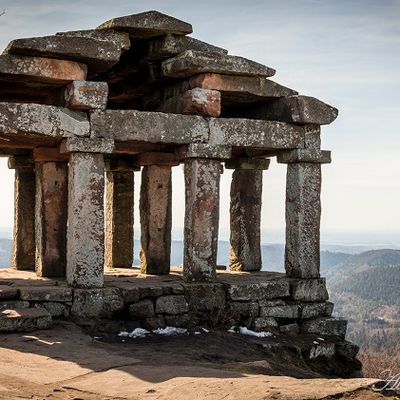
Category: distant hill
<point>5,252</point>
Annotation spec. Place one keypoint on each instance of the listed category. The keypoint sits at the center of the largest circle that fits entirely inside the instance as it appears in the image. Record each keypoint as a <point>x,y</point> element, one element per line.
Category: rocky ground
<point>68,362</point>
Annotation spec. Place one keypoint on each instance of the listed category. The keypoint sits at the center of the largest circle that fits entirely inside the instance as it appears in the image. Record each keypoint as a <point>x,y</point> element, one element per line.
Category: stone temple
<point>82,112</point>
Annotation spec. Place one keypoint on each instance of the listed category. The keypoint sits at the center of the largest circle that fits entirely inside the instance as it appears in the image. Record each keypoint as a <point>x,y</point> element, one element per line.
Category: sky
<point>344,52</point>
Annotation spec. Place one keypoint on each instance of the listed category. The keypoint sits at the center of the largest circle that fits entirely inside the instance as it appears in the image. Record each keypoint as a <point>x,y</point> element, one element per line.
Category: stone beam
<point>85,95</point>
<point>119,213</point>
<point>156,219</point>
<point>193,62</point>
<point>87,145</point>
<point>157,158</point>
<point>301,110</point>
<point>303,211</point>
<point>254,133</point>
<point>153,127</point>
<point>171,45</point>
<point>85,238</point>
<point>202,177</point>
<point>23,254</point>
<point>20,120</point>
<point>39,69</point>
<point>148,24</point>
<point>249,88</point>
<point>51,212</point>
<point>245,213</point>
<point>204,150</point>
<point>196,101</point>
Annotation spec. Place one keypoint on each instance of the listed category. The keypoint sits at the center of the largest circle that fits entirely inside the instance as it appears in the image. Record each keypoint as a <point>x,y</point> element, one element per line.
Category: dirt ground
<point>68,363</point>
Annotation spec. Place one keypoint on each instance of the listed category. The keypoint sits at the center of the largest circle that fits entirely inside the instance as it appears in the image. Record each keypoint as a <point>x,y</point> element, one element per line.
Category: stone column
<point>119,213</point>
<point>202,168</point>
<point>23,255</point>
<point>245,213</point>
<point>303,211</point>
<point>51,212</point>
<point>85,237</point>
<point>156,212</point>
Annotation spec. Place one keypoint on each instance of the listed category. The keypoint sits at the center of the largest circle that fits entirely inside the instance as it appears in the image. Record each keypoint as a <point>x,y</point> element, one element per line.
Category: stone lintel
<point>314,156</point>
<point>197,101</point>
<point>28,120</point>
<point>136,148</point>
<point>245,163</point>
<point>18,162</point>
<point>148,24</point>
<point>48,154</point>
<point>87,145</point>
<point>121,165</point>
<point>85,95</point>
<point>40,69</point>
<point>247,86</point>
<point>193,62</point>
<point>301,110</point>
<point>242,132</point>
<point>203,150</point>
<point>156,158</point>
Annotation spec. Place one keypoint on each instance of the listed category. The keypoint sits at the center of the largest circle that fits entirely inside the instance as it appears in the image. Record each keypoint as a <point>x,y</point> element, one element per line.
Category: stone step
<point>24,320</point>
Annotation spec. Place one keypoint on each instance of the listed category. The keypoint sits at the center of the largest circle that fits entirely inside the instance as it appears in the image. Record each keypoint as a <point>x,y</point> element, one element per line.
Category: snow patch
<point>170,331</point>
<point>136,333</point>
<point>245,331</point>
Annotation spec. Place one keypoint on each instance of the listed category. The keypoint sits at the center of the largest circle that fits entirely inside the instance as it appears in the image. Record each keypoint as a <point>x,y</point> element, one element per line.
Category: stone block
<point>48,154</point>
<point>247,164</point>
<point>56,310</point>
<point>41,120</point>
<point>196,102</point>
<point>46,293</point>
<point>301,110</point>
<point>315,156</point>
<point>8,292</point>
<point>87,145</point>
<point>153,127</point>
<point>24,320</point>
<point>290,311</point>
<point>241,88</point>
<point>290,329</point>
<point>309,290</point>
<point>13,304</point>
<point>271,303</point>
<point>96,303</point>
<point>257,291</point>
<point>154,323</point>
<point>312,138</point>
<point>346,349</point>
<point>322,349</point>
<point>148,24</point>
<point>314,310</point>
<point>38,69</point>
<point>255,133</point>
<point>328,326</point>
<point>204,296</point>
<point>171,305</point>
<point>244,309</point>
<point>264,323</point>
<point>141,310</point>
<point>130,294</point>
<point>171,45</point>
<point>179,321</point>
<point>156,158</point>
<point>204,150</point>
<point>85,95</point>
<point>150,291</point>
<point>193,62</point>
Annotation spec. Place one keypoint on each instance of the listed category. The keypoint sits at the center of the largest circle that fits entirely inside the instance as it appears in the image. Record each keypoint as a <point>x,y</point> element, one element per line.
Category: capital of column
<point>87,145</point>
<point>157,158</point>
<point>313,156</point>
<point>20,162</point>
<point>121,165</point>
<point>204,150</point>
<point>248,164</point>
<point>48,154</point>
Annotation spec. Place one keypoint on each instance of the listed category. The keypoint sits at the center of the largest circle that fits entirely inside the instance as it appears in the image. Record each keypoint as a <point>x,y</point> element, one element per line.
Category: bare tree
<point>2,13</point>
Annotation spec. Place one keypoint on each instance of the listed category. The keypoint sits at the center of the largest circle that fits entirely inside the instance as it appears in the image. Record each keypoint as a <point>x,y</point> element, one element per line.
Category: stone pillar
<point>51,212</point>
<point>303,211</point>
<point>119,213</point>
<point>85,235</point>
<point>202,169</point>
<point>23,255</point>
<point>156,219</point>
<point>245,213</point>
